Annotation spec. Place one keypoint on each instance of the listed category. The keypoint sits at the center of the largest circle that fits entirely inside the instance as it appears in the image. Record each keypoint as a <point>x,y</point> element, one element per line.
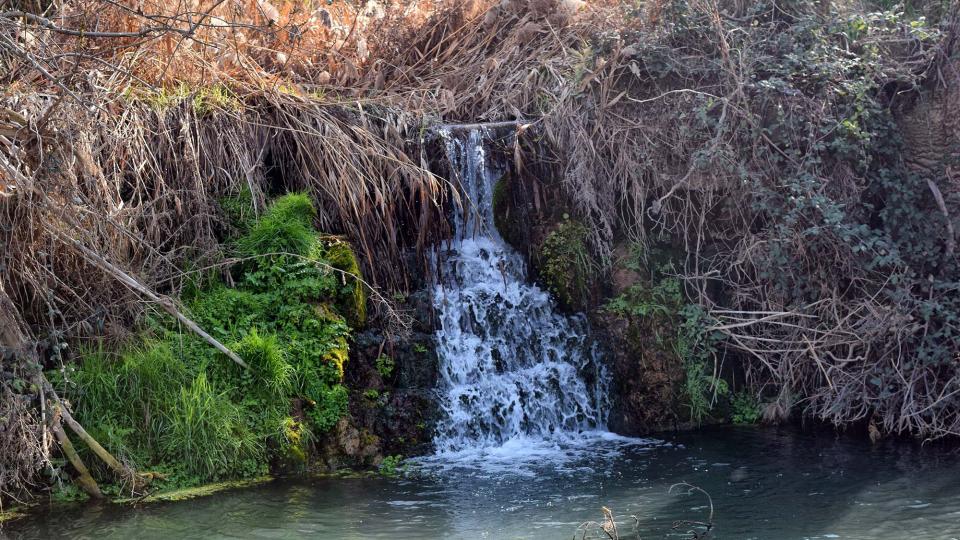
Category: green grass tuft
<point>172,403</point>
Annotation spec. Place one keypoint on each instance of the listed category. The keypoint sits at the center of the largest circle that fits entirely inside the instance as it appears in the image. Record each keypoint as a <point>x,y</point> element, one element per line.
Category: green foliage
<point>330,406</point>
<point>67,493</point>
<point>208,433</point>
<point>392,465</point>
<point>385,365</point>
<point>663,299</point>
<point>657,302</point>
<point>267,364</point>
<point>286,227</point>
<point>696,345</point>
<point>745,408</point>
<point>566,266</point>
<point>173,403</point>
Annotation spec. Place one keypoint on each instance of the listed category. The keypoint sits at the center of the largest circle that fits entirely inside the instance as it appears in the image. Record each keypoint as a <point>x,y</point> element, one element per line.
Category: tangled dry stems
<point>335,100</point>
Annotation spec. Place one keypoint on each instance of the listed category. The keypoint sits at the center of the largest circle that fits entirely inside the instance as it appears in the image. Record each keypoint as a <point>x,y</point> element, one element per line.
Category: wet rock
<point>391,381</point>
<point>647,376</point>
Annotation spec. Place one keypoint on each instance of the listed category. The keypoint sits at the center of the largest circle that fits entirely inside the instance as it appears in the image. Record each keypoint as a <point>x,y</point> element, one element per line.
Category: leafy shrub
<point>175,403</point>
<point>745,408</point>
<point>385,365</point>
<point>391,465</point>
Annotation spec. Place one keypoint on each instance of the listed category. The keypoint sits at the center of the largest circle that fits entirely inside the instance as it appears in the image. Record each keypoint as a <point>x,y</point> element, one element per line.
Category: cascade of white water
<point>511,366</point>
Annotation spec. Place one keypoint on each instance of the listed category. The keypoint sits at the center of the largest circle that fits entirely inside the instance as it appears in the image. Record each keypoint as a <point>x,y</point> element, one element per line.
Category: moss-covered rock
<point>567,267</point>
<point>342,257</point>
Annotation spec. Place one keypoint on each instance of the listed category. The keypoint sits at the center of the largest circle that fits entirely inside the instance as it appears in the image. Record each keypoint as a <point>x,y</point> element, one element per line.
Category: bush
<point>174,402</point>
<point>745,408</point>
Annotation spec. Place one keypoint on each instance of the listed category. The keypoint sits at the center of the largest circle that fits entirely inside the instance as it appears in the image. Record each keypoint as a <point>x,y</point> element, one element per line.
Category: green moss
<point>501,210</point>
<point>11,514</point>
<point>567,268</point>
<point>171,403</point>
<point>341,256</point>
<point>203,490</point>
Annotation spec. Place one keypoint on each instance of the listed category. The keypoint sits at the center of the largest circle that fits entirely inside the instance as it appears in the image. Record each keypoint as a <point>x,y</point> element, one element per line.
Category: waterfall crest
<point>511,367</point>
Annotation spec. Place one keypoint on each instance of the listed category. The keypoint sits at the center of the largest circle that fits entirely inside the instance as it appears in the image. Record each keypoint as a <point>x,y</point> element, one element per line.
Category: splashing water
<point>516,376</point>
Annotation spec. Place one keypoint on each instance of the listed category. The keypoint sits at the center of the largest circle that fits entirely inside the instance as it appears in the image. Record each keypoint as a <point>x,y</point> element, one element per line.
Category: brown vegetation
<point>123,125</point>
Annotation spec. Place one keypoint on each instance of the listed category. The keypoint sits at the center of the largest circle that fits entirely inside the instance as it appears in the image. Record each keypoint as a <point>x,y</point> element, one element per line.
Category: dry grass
<point>125,144</point>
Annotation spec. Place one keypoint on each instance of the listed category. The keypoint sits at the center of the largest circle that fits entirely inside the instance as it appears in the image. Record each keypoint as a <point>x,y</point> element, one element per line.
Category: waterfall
<point>511,367</point>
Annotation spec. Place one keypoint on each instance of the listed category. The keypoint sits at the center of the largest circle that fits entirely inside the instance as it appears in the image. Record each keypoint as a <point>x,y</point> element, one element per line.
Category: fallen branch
<point>84,479</point>
<point>164,301</point>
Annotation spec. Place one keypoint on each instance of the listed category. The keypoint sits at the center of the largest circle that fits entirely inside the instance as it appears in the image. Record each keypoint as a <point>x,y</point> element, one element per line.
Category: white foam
<point>519,381</point>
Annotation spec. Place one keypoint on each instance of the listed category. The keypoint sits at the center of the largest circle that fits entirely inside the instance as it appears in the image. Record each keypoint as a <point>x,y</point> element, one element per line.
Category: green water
<point>765,484</point>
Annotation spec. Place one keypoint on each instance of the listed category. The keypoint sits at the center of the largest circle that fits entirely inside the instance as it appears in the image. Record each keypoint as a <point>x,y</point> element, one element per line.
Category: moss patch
<point>204,490</point>
<point>171,403</point>
<point>343,258</point>
<point>567,267</point>
<point>11,514</point>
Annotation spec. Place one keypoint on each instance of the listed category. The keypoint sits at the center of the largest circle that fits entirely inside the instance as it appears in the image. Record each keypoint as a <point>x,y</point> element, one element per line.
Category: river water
<point>765,484</point>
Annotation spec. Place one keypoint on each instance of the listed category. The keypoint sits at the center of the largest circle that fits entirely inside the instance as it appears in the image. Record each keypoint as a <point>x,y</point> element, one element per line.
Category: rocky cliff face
<point>391,380</point>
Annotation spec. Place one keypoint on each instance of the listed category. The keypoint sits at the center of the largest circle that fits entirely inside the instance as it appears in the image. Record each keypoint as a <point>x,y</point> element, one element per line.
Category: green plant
<point>209,434</point>
<point>745,408</point>
<point>371,394</point>
<point>267,364</point>
<point>286,227</point>
<point>173,403</point>
<point>392,465</point>
<point>420,348</point>
<point>385,365</point>
<point>663,299</point>
<point>68,493</point>
<point>696,346</point>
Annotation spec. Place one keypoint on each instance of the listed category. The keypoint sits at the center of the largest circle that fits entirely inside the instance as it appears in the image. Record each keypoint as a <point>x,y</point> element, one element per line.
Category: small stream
<point>766,484</point>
